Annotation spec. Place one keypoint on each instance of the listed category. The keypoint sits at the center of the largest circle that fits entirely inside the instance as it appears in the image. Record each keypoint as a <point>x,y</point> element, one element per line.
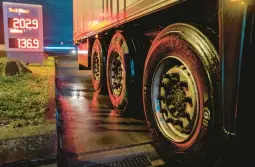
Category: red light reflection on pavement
<point>94,102</point>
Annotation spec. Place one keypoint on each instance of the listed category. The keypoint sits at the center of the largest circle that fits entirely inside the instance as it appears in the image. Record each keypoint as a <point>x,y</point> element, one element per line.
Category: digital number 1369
<point>28,43</point>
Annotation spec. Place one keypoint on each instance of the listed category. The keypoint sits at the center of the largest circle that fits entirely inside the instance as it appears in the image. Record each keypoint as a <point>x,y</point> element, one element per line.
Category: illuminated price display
<point>23,43</point>
<point>20,23</point>
<point>23,27</point>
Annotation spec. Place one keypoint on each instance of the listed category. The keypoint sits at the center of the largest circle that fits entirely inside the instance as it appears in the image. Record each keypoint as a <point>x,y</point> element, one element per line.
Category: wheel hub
<point>178,96</point>
<point>116,74</point>
<point>177,101</point>
<point>96,67</point>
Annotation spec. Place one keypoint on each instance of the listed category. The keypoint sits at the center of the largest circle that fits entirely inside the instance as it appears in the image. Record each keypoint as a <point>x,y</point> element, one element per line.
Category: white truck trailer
<point>180,59</point>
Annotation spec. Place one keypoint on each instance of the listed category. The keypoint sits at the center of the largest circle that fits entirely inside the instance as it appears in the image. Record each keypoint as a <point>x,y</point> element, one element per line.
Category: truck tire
<point>98,63</point>
<point>118,73</point>
<point>180,95</point>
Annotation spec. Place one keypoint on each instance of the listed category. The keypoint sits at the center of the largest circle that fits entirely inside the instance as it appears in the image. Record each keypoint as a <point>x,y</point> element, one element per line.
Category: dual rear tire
<point>98,61</point>
<point>117,72</point>
<point>122,76</point>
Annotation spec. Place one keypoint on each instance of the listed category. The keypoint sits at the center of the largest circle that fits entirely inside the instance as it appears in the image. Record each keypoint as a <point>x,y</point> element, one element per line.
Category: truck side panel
<point>81,14</point>
<point>91,17</point>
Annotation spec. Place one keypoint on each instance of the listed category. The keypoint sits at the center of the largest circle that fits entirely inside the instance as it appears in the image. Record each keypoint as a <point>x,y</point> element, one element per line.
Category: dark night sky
<point>61,20</point>
<point>58,19</point>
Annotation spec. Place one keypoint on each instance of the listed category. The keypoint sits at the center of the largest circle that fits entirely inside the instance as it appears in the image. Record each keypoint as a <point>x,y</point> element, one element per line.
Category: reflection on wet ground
<point>90,127</point>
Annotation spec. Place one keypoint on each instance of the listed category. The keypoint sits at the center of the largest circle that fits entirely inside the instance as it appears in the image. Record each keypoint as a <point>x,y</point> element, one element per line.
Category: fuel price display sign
<point>20,25</point>
<point>23,28</point>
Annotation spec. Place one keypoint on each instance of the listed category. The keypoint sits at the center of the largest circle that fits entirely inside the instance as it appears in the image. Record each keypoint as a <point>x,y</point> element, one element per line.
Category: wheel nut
<point>163,111</point>
<point>175,76</point>
<point>162,85</point>
<point>169,97</point>
<point>178,122</point>
<point>186,115</point>
<point>188,100</point>
<point>172,109</point>
<point>169,120</point>
<point>184,84</point>
<point>160,97</point>
<point>168,76</point>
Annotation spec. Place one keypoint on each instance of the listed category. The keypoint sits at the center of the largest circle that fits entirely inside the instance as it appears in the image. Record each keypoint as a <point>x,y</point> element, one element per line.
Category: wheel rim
<point>116,74</point>
<point>96,66</point>
<point>175,99</point>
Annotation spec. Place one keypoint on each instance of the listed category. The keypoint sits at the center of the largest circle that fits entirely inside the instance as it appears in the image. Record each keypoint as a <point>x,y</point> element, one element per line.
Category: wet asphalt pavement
<point>90,132</point>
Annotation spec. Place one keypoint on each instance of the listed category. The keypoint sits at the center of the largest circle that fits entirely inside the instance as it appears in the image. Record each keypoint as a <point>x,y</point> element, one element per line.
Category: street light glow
<point>60,48</point>
<point>82,52</point>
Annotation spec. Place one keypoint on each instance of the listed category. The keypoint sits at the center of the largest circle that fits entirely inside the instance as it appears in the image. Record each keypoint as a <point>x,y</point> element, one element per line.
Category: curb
<point>36,162</point>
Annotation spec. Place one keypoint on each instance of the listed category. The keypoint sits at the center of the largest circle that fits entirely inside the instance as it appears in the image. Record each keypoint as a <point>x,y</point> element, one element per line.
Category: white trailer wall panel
<point>92,16</point>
